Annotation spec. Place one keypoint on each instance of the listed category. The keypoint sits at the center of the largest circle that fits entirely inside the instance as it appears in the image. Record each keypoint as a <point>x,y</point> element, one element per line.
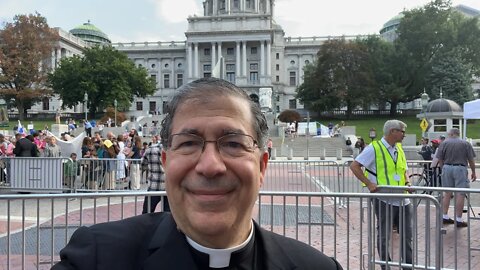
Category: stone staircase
<point>315,146</point>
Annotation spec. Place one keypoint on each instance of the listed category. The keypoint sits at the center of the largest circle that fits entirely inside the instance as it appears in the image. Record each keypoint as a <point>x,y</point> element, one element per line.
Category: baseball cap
<point>442,137</point>
<point>437,141</point>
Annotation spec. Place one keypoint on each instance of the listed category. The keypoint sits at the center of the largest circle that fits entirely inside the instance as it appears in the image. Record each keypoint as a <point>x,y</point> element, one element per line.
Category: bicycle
<point>430,177</point>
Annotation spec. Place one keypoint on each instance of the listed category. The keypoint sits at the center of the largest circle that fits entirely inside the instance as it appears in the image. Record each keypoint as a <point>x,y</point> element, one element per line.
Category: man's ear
<point>164,157</point>
<point>263,166</point>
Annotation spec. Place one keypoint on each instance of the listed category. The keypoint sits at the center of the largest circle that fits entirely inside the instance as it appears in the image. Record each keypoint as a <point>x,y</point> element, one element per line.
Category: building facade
<point>256,55</point>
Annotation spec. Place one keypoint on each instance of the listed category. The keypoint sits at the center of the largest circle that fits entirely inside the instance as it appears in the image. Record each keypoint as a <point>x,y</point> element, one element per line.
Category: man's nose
<point>210,163</point>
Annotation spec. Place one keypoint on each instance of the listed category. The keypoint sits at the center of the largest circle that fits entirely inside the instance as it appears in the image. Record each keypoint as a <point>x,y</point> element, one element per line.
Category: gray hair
<point>393,124</point>
<point>205,89</point>
<point>454,132</point>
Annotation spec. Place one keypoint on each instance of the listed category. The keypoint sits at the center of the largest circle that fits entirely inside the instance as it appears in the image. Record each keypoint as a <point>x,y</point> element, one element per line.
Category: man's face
<point>398,134</point>
<point>211,195</point>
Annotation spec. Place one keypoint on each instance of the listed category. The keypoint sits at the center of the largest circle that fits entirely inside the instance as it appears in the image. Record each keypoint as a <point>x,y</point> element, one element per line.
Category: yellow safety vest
<point>389,172</point>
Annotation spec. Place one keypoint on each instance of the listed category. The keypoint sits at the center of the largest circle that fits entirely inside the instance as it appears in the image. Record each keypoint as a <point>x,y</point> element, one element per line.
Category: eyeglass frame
<point>204,143</point>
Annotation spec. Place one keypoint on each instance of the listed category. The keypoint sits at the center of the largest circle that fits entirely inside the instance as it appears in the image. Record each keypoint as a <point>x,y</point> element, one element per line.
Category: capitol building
<point>255,54</point>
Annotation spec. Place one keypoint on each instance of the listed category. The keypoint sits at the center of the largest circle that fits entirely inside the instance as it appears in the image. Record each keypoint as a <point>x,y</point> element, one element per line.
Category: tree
<point>105,74</point>
<point>339,78</point>
<point>25,45</point>
<point>428,34</point>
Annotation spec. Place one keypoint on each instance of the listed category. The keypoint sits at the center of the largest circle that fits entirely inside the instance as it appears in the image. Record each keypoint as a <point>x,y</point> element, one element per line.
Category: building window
<point>277,67</point>
<point>207,71</point>
<point>230,67</point>
<point>249,3</point>
<point>254,66</point>
<point>253,50</point>
<point>153,77</point>
<point>153,65</point>
<point>254,77</point>
<point>292,104</point>
<point>46,104</point>
<point>277,78</point>
<point>166,80</point>
<point>206,51</point>
<point>179,79</point>
<point>307,62</point>
<point>166,65</point>
<point>230,76</point>
<point>440,125</point>
<point>153,106</point>
<point>236,4</point>
<point>292,62</point>
<point>139,106</point>
<point>221,5</point>
<point>230,51</point>
<point>293,78</point>
<point>456,123</point>
<point>277,55</point>
<point>179,65</point>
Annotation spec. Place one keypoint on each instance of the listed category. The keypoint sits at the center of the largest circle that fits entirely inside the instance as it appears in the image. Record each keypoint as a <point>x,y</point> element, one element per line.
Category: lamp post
<point>424,99</point>
<point>85,101</point>
<point>115,104</point>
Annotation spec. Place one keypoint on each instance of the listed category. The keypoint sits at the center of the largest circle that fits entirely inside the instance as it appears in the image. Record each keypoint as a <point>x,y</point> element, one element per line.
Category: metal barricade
<point>33,174</point>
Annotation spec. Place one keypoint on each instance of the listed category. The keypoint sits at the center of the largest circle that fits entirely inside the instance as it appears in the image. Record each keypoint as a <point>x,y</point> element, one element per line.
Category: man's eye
<point>232,144</point>
<point>188,144</point>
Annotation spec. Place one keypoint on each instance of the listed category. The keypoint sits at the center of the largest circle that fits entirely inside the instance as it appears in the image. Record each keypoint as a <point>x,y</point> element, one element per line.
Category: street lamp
<point>424,99</point>
<point>85,101</point>
<point>115,104</point>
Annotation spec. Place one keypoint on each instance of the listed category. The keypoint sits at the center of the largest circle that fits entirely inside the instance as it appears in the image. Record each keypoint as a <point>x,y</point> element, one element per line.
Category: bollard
<point>290,154</point>
<point>339,154</point>
<point>322,154</point>
<point>274,153</point>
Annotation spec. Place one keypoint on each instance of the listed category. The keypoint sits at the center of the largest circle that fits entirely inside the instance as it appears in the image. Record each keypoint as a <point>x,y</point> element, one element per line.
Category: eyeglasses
<point>230,145</point>
<point>402,131</point>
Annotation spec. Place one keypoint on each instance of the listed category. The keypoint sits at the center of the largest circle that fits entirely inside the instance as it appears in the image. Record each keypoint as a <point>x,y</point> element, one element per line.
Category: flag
<point>20,129</point>
<point>219,69</point>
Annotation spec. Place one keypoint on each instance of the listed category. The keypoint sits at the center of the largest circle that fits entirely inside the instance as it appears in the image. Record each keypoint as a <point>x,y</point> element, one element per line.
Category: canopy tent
<point>471,110</point>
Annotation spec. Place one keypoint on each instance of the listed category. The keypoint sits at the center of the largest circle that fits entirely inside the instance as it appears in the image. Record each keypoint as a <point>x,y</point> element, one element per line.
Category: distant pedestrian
<point>269,147</point>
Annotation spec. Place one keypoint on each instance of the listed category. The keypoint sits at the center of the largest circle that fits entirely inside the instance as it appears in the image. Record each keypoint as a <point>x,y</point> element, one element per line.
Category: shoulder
<point>294,253</point>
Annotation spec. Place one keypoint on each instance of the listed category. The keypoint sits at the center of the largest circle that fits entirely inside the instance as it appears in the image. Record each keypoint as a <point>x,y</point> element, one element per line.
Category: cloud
<point>175,11</point>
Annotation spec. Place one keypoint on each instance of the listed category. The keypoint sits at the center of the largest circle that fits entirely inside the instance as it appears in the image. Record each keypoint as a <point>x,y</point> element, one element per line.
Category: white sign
<point>265,98</point>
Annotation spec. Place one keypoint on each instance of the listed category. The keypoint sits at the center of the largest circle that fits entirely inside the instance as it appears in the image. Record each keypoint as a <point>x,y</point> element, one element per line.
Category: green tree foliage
<point>429,34</point>
<point>339,78</point>
<point>26,44</point>
<point>451,75</point>
<point>105,74</point>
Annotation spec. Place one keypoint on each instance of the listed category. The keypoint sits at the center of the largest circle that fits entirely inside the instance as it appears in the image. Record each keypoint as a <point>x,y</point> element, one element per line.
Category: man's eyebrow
<point>232,131</point>
<point>189,131</point>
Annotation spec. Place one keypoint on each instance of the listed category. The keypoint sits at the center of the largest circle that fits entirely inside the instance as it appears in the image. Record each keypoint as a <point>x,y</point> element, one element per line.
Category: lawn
<point>413,126</point>
<point>37,125</point>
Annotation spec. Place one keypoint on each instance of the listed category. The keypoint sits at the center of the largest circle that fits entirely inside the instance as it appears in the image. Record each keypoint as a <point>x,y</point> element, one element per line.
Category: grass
<point>413,126</point>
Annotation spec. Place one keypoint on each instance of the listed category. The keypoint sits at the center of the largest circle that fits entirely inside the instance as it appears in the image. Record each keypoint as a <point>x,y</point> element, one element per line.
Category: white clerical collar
<point>220,258</point>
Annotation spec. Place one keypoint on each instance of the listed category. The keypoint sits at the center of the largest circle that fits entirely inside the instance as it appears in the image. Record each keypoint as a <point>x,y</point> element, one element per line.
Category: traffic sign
<point>424,124</point>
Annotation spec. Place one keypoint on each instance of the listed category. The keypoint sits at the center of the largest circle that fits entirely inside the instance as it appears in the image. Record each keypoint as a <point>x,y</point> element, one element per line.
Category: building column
<point>52,60</point>
<point>262,58</point>
<point>244,58</point>
<point>227,6</point>
<point>213,54</point>
<point>269,58</point>
<point>219,50</point>
<point>195,61</point>
<point>189,61</point>
<point>300,68</point>
<point>257,5</point>
<point>172,79</point>
<point>238,62</point>
<point>59,57</point>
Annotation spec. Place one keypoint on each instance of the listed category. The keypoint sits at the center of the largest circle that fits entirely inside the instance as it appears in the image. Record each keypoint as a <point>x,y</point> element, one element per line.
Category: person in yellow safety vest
<point>385,165</point>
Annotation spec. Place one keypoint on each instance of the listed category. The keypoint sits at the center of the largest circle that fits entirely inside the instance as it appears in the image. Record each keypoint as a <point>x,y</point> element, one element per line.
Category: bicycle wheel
<point>418,179</point>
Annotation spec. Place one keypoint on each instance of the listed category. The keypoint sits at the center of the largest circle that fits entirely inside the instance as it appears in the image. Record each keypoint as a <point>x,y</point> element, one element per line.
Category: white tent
<point>471,110</point>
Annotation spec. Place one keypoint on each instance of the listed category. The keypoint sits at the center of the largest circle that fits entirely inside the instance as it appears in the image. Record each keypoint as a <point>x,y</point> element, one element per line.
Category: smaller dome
<point>393,21</point>
<point>443,105</point>
<point>90,33</point>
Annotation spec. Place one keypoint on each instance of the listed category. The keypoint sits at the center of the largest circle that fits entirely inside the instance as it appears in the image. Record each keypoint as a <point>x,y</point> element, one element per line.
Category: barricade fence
<point>38,226</point>
<point>67,175</point>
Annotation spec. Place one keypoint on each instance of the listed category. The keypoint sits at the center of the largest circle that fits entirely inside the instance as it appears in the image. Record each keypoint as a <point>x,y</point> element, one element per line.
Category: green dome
<point>90,33</point>
<point>392,24</point>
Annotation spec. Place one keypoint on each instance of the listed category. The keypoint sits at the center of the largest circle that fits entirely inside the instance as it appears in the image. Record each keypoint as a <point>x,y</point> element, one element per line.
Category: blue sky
<point>165,20</point>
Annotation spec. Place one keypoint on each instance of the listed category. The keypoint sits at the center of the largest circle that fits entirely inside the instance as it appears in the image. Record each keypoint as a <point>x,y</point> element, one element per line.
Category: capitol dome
<point>392,24</point>
<point>90,33</point>
<point>442,105</point>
